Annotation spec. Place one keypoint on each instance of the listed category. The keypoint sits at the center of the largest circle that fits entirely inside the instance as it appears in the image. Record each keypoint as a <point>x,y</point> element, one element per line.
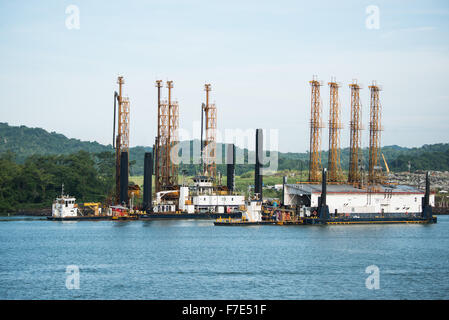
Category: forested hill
<point>24,142</point>
<point>426,157</point>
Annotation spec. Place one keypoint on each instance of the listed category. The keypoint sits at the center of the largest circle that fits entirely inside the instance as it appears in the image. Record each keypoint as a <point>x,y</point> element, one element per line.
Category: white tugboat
<point>64,206</point>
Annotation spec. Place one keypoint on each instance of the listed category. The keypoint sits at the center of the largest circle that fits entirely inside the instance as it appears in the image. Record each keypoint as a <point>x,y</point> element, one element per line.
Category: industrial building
<point>349,200</point>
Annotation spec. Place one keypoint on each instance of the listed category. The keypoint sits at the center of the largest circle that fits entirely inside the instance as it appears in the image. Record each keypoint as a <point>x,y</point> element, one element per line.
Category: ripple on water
<point>195,260</point>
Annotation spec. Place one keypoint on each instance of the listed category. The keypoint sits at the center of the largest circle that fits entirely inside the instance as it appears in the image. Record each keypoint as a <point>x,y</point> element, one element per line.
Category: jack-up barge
<point>321,215</point>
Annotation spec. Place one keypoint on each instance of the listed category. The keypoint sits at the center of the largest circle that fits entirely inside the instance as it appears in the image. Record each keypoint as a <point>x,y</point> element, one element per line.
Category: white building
<point>348,199</point>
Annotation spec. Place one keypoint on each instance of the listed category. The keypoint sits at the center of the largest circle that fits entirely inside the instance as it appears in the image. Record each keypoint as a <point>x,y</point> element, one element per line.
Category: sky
<point>259,57</point>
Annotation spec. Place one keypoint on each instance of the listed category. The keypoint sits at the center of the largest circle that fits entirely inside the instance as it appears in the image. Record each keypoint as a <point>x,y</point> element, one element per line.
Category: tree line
<point>38,180</point>
<point>25,142</point>
<point>90,177</point>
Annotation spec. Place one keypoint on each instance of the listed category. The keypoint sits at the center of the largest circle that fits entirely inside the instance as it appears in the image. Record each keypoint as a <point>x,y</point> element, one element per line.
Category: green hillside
<point>24,142</point>
<point>36,182</point>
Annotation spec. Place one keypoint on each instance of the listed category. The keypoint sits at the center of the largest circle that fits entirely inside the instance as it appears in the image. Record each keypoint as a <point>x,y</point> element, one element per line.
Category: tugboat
<point>64,206</point>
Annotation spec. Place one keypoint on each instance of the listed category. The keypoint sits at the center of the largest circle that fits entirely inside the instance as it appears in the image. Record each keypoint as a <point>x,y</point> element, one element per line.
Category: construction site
<point>206,198</point>
<point>327,197</point>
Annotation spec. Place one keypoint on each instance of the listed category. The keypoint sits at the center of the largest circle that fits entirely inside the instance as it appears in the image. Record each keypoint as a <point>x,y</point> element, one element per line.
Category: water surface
<point>196,260</point>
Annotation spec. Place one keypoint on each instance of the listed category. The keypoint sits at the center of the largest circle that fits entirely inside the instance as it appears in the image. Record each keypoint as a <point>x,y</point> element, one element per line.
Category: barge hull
<point>383,221</point>
<point>310,221</point>
<point>186,216</point>
<point>244,223</point>
<point>81,218</point>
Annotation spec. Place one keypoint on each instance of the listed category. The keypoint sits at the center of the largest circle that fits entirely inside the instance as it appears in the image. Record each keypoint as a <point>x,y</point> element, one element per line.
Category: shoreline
<point>42,212</point>
<point>46,212</point>
<point>440,210</point>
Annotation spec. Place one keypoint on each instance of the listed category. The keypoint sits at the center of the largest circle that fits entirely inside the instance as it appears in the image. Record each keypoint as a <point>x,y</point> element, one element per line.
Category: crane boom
<point>386,165</point>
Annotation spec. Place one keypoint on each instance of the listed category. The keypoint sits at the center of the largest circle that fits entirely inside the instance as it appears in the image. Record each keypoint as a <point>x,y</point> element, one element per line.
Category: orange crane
<point>166,171</point>
<point>121,142</point>
<point>374,174</point>
<point>315,132</point>
<point>334,133</point>
<point>355,124</point>
<point>210,144</point>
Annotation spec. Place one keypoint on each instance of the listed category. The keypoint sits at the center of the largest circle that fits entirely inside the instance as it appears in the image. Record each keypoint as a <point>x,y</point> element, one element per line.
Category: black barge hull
<point>187,216</point>
<point>80,218</point>
<point>312,221</point>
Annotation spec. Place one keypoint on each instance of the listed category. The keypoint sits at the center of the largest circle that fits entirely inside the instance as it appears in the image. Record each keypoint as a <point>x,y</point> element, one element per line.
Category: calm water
<point>195,260</point>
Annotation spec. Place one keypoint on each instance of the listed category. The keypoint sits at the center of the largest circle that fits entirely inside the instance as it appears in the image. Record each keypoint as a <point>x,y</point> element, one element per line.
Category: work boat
<point>64,206</point>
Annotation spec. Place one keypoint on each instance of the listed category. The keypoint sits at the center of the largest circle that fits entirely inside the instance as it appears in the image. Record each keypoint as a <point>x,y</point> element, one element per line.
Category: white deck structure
<point>200,197</point>
<point>348,199</point>
<point>64,206</point>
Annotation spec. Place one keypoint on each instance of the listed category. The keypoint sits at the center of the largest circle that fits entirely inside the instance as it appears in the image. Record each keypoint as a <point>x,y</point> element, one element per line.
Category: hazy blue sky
<point>258,56</point>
